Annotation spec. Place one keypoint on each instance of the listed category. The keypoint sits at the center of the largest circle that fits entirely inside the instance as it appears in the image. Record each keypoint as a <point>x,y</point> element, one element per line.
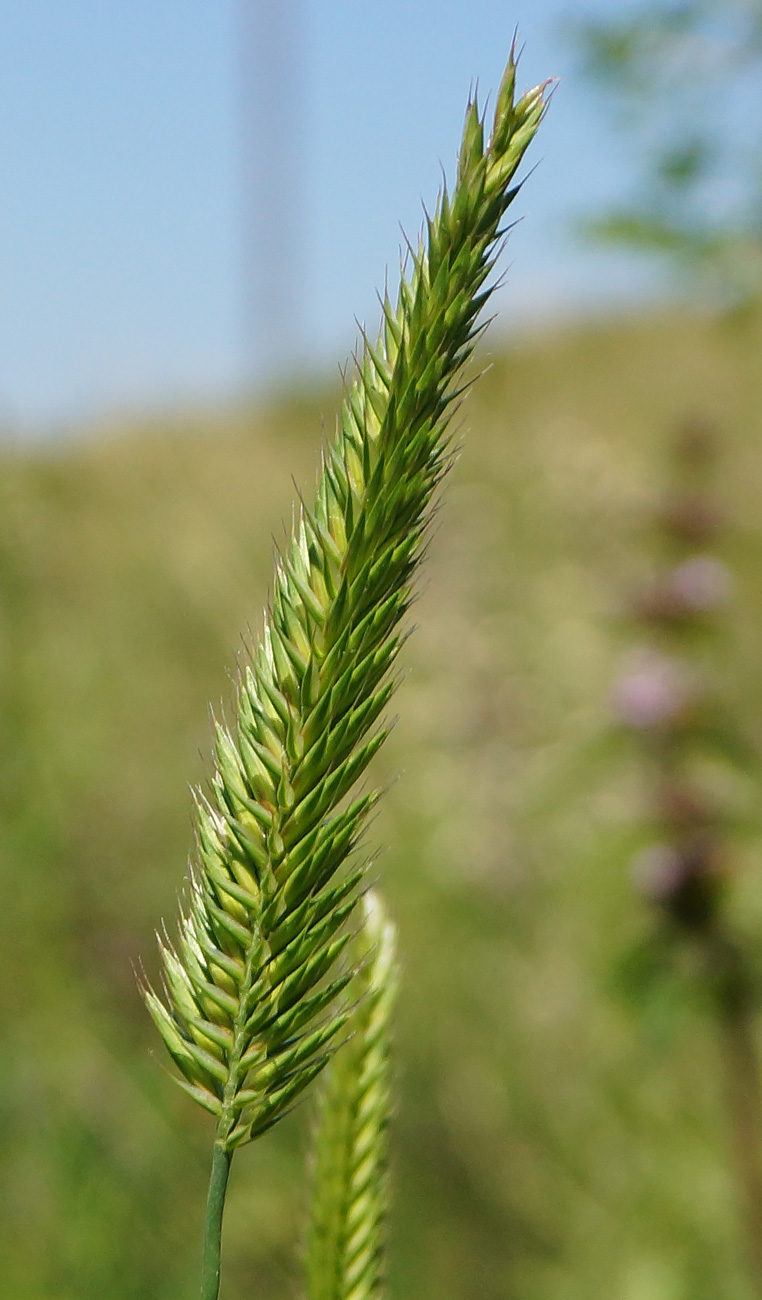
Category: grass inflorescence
<point>346,1244</point>
<point>249,1012</point>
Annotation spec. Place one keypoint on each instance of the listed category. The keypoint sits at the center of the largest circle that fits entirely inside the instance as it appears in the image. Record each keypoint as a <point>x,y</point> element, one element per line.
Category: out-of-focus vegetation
<point>683,79</point>
<point>553,1141</point>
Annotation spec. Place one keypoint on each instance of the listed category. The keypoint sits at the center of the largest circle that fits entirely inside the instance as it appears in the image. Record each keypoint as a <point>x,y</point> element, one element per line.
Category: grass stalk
<point>215,1208</point>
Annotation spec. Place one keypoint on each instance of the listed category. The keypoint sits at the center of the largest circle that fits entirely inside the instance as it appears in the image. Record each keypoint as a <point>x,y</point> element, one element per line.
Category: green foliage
<point>684,79</point>
<point>265,923</point>
<point>346,1248</point>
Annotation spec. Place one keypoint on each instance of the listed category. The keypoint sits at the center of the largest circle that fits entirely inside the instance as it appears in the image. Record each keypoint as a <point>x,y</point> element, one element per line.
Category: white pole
<point>273,146</point>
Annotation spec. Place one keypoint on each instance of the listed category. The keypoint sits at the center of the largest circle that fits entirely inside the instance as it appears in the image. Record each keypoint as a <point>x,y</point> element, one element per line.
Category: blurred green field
<point>553,1142</point>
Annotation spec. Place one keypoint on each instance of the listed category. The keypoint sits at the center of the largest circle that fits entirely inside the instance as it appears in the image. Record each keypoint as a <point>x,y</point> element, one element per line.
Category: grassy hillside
<point>553,1142</point>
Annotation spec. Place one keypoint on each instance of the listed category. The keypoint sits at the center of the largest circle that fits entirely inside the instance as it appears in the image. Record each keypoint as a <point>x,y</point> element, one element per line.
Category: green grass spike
<point>346,1246</point>
<point>245,986</point>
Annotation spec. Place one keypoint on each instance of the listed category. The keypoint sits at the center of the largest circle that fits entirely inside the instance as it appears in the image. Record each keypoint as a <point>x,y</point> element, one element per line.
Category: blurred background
<point>199,203</point>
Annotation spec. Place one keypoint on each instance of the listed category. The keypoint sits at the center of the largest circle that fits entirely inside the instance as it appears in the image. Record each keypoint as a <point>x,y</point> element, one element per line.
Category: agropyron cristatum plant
<point>345,1247</point>
<point>250,1012</point>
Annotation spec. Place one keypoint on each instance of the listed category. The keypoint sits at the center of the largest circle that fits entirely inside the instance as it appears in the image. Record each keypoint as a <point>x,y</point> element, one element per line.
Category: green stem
<point>743,1092</point>
<point>215,1207</point>
<point>743,1087</point>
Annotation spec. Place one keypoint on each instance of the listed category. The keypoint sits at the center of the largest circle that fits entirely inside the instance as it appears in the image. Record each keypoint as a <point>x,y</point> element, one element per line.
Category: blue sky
<point>122,230</point>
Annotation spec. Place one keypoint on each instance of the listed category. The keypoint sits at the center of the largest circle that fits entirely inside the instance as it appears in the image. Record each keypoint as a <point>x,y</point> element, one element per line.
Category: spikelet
<point>256,966</point>
<point>346,1246</point>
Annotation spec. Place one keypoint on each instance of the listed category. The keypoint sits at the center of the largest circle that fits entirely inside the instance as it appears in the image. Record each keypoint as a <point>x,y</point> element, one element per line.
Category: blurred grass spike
<point>255,967</point>
<point>346,1245</point>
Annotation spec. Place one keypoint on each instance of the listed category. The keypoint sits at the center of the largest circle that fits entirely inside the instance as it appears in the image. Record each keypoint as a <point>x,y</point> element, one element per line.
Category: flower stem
<point>215,1206</point>
<point>743,1090</point>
